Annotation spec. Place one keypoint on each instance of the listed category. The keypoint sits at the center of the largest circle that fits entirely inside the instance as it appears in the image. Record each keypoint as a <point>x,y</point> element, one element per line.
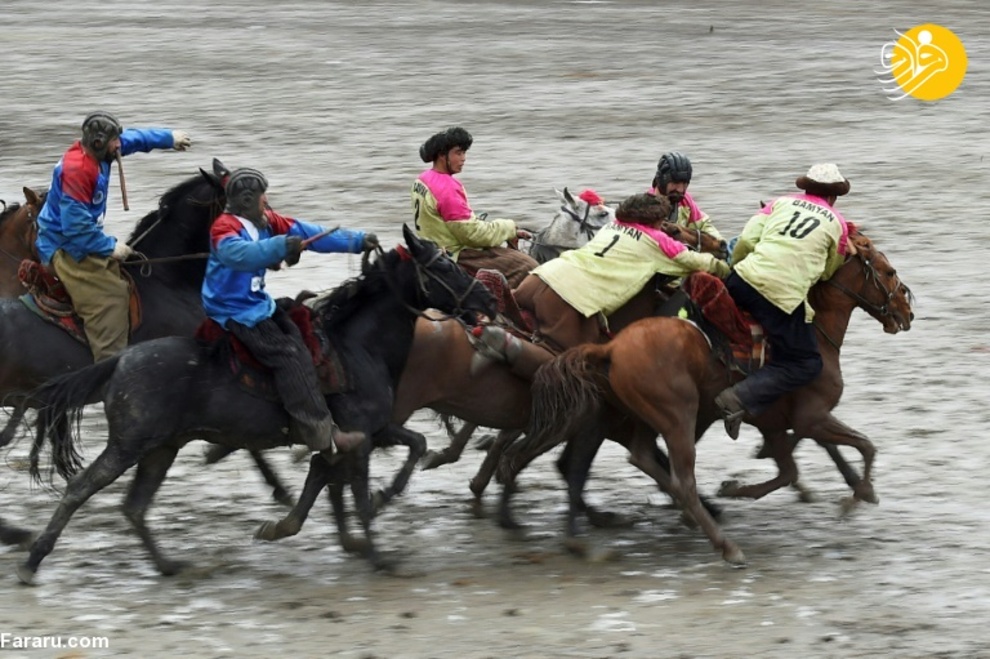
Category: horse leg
<point>104,470</point>
<point>833,431</point>
<point>151,472</point>
<point>452,453</point>
<point>848,473</point>
<point>417,447</point>
<point>359,476</point>
<point>779,446</point>
<point>481,480</point>
<point>316,479</point>
<point>280,493</point>
<point>10,429</point>
<point>574,465</point>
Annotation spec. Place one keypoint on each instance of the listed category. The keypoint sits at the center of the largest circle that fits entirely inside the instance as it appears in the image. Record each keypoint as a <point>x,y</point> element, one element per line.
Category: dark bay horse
<point>18,230</point>
<point>496,397</point>
<point>150,416</point>
<point>674,395</point>
<point>33,350</point>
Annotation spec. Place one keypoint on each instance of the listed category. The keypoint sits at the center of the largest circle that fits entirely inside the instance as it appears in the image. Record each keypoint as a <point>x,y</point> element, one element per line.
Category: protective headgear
<point>673,166</point>
<point>824,180</point>
<point>244,189</point>
<point>98,130</point>
<point>441,143</point>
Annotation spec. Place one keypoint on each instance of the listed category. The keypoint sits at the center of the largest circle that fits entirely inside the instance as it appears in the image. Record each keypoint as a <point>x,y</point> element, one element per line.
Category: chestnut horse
<point>18,229</point>
<point>496,397</point>
<point>673,393</point>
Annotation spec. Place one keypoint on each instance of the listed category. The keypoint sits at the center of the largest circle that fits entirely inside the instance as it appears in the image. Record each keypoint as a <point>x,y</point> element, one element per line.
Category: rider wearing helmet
<point>441,213</point>
<point>672,180</point>
<point>783,250</point>
<point>245,241</point>
<point>71,240</point>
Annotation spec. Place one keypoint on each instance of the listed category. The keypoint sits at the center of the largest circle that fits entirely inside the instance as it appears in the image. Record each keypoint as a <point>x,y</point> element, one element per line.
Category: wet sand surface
<point>332,100</point>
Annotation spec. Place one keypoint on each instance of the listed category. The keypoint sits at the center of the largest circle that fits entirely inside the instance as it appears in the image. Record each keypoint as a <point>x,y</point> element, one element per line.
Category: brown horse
<point>672,393</point>
<point>18,230</point>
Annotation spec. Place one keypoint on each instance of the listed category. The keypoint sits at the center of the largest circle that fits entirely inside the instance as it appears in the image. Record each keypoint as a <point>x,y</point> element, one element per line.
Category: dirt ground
<point>332,101</point>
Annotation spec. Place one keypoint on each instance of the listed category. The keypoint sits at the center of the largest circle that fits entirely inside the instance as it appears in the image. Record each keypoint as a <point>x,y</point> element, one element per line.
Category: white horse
<point>573,226</point>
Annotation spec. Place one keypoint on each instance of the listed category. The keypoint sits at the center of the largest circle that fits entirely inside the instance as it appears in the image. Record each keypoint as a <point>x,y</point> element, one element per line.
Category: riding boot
<point>732,411</point>
<point>347,440</point>
<point>494,344</point>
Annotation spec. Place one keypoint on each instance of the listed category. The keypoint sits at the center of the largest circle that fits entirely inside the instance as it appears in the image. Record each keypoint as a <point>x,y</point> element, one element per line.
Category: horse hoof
<point>25,574</point>
<point>171,568</point>
<point>729,488</point>
<point>355,545</point>
<point>847,506</point>
<point>268,531</point>
<point>576,547</point>
<point>432,460</point>
<point>509,524</point>
<point>733,555</point>
<point>477,508</point>
<point>604,519</point>
<point>21,538</point>
<point>864,492</point>
<point>378,502</point>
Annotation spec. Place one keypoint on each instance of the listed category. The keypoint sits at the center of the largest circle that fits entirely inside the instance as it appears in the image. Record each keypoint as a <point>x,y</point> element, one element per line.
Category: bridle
<point>423,275</point>
<point>878,311</point>
<point>583,227</point>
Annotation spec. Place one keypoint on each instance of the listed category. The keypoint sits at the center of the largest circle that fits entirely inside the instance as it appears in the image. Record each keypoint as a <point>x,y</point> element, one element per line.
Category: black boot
<point>732,411</point>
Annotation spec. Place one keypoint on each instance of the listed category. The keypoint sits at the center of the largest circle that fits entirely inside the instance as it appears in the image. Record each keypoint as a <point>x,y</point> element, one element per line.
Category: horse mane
<point>180,226</point>
<point>342,302</point>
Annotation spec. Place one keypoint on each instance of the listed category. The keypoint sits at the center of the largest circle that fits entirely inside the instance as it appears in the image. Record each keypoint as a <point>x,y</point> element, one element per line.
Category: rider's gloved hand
<point>121,251</point>
<point>181,140</point>
<point>293,249</point>
<point>370,242</point>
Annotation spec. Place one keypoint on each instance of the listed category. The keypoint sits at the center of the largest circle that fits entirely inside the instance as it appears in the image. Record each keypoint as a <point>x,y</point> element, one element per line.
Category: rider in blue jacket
<point>71,240</point>
<point>245,241</point>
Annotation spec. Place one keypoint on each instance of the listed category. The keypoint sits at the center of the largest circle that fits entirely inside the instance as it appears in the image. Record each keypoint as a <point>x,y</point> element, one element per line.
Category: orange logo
<point>927,62</point>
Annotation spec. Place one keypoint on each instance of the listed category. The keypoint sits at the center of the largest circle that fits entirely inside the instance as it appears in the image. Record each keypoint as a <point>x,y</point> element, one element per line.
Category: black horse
<point>161,394</point>
<point>33,350</point>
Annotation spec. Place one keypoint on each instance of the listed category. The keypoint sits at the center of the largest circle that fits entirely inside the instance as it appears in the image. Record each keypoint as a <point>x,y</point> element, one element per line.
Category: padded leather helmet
<point>244,189</point>
<point>98,130</point>
<point>673,166</point>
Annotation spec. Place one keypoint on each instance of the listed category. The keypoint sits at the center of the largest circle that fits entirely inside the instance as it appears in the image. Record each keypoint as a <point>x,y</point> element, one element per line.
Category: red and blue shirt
<point>240,253</point>
<point>72,217</point>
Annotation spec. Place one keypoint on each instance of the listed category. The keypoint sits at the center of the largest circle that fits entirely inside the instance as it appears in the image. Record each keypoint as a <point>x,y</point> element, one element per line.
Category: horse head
<point>444,285</point>
<point>870,279</point>
<point>19,225</point>
<point>575,223</point>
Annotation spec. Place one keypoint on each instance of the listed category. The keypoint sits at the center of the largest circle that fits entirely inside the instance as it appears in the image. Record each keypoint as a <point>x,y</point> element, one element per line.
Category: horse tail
<point>567,395</point>
<point>60,403</point>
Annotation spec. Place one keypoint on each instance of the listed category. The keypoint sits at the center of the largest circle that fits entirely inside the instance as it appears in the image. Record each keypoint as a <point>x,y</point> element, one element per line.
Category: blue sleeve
<point>82,231</point>
<point>133,140</point>
<point>341,240</point>
<point>248,255</point>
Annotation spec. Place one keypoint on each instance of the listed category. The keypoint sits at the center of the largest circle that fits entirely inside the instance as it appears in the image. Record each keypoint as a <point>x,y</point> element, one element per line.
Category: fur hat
<point>824,179</point>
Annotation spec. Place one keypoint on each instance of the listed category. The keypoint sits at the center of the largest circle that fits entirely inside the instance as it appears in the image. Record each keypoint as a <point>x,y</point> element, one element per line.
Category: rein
<point>422,274</point>
<point>880,310</point>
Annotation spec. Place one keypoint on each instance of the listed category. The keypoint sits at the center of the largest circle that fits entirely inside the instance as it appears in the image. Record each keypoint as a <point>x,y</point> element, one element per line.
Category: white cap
<point>825,173</point>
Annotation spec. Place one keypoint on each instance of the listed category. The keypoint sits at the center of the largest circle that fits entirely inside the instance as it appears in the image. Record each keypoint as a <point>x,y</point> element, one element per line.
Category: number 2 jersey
<point>607,272</point>
<point>788,246</point>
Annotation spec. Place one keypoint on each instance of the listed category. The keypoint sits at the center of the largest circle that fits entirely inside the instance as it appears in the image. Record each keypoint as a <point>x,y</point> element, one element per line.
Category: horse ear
<point>412,241</point>
<point>220,169</point>
<point>569,198</point>
<point>32,197</point>
<point>560,195</point>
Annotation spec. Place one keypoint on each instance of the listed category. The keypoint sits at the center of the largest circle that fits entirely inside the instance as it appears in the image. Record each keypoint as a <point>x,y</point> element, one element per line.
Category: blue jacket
<point>72,217</point>
<point>240,253</point>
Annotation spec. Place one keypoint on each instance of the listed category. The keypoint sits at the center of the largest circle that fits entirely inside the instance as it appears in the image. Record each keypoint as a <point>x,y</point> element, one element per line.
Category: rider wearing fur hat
<point>245,241</point>
<point>783,250</point>
<point>441,213</point>
<point>71,240</point>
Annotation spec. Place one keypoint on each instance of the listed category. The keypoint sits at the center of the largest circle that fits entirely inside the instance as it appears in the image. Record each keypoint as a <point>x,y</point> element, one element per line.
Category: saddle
<point>48,298</point>
<point>256,378</point>
<point>735,336</point>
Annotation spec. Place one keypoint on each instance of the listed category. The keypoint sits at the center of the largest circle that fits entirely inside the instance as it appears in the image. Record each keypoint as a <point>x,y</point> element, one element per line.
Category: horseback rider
<point>781,253</point>
<point>248,238</point>
<point>442,213</point>
<point>71,240</point>
<point>571,294</point>
<point>671,181</point>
